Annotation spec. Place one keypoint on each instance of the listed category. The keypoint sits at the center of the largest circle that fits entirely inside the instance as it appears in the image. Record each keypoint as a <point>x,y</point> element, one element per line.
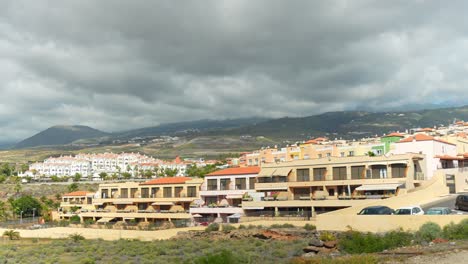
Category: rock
<point>310,249</point>
<point>261,236</point>
<point>330,244</point>
<point>308,255</point>
<point>316,242</point>
<point>453,243</point>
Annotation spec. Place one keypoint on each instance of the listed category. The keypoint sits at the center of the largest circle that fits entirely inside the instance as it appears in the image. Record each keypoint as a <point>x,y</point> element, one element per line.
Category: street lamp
<point>34,211</point>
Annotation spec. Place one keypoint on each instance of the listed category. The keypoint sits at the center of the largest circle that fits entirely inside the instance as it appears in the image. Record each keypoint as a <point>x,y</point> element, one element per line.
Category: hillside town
<point>301,181</point>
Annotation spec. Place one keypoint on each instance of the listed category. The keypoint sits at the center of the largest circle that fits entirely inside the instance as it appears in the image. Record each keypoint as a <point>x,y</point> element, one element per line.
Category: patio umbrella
<point>223,203</point>
<point>198,202</point>
<point>176,208</point>
<point>197,215</point>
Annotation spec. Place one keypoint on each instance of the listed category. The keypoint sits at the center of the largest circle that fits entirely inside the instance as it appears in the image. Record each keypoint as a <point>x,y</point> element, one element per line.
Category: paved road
<point>445,202</point>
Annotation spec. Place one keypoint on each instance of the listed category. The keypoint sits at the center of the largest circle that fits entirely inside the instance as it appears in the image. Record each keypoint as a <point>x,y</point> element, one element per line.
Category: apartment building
<point>428,145</point>
<point>223,191</point>
<point>333,182</point>
<point>155,201</point>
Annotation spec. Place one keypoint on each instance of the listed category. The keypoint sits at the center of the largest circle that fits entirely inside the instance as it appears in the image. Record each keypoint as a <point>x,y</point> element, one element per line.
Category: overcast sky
<point>117,65</point>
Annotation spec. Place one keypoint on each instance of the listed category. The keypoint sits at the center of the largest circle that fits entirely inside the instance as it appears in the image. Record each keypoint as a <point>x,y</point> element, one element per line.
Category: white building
<point>432,147</point>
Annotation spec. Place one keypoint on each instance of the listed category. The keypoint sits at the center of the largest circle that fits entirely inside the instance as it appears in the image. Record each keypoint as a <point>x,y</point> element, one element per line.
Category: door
<point>450,182</point>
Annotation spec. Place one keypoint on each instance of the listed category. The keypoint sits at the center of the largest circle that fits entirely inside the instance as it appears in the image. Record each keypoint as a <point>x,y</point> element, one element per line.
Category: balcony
<point>216,210</point>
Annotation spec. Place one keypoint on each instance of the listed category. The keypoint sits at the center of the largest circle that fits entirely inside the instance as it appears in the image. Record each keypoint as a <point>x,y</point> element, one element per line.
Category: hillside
<point>60,135</point>
<point>350,124</point>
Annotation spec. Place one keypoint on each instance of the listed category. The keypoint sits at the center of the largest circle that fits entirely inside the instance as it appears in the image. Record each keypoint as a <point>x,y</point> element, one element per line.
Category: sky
<point>118,65</point>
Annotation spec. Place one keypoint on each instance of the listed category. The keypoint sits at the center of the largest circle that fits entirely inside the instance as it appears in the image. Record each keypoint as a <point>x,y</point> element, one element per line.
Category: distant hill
<point>345,124</point>
<point>350,124</point>
<point>189,127</point>
<point>60,135</point>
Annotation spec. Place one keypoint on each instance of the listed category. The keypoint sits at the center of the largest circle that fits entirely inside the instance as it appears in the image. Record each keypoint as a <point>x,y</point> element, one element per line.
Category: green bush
<point>429,231</point>
<point>327,236</point>
<point>242,227</point>
<point>223,257</point>
<point>75,219</point>
<point>228,228</point>
<point>212,227</point>
<point>76,237</point>
<point>310,227</point>
<point>456,231</point>
<point>356,242</point>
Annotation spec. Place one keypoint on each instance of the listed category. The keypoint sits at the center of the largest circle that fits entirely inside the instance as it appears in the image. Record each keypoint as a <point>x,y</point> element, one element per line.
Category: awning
<point>197,215</point>
<point>97,203</point>
<point>282,172</point>
<point>266,172</point>
<point>253,207</point>
<point>234,196</point>
<point>123,202</point>
<point>235,216</point>
<point>105,220</point>
<point>378,187</point>
<point>162,203</point>
<point>129,218</point>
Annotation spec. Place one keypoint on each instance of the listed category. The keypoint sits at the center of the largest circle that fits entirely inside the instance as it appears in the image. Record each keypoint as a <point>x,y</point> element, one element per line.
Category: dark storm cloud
<point>122,64</point>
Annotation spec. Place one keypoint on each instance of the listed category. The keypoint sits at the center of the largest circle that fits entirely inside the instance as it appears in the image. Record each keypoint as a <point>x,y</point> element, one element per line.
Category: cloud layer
<point>118,65</point>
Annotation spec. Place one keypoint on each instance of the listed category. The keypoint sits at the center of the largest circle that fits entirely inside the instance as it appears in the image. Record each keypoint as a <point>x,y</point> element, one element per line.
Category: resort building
<point>224,191</point>
<point>156,201</point>
<point>331,183</point>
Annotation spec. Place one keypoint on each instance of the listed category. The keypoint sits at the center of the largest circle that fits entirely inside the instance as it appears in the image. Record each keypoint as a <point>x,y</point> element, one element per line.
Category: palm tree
<point>12,234</point>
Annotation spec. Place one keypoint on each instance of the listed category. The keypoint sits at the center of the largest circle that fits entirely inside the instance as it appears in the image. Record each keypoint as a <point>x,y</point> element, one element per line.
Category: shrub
<point>356,242</point>
<point>76,237</point>
<point>75,219</point>
<point>212,227</point>
<point>223,257</point>
<point>282,226</point>
<point>327,236</point>
<point>242,227</point>
<point>310,227</point>
<point>429,231</point>
<point>11,234</point>
<point>228,228</point>
<point>456,231</point>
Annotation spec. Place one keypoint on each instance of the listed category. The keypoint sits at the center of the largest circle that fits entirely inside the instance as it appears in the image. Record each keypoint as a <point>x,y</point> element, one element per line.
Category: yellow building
<point>155,201</point>
<point>334,182</point>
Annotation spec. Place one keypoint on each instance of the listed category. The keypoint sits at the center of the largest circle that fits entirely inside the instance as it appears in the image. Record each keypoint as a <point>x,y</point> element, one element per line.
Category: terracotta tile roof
<point>426,129</point>
<point>168,180</point>
<point>423,137</point>
<point>312,141</point>
<point>236,171</point>
<point>394,135</point>
<point>77,193</point>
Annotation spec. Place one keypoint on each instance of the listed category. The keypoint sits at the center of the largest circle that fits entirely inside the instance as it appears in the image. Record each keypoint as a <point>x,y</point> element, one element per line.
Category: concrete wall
<point>380,223</point>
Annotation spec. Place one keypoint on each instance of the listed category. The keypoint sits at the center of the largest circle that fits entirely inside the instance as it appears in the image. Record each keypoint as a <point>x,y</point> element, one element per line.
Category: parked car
<point>376,210</point>
<point>409,210</point>
<point>461,203</point>
<point>439,211</point>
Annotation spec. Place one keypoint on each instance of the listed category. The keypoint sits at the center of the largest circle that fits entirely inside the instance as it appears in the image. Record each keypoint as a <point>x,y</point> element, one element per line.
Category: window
<point>224,184</point>
<point>398,170</point>
<point>357,172</point>
<point>154,192</point>
<point>351,153</point>
<point>339,173</point>
<point>241,184</point>
<point>192,191</point>
<point>378,152</point>
<point>144,192</point>
<point>133,192</point>
<point>212,185</point>
<point>320,156</point>
<point>379,172</point>
<point>328,154</point>
<point>124,193</point>
<point>167,192</point>
<point>178,191</point>
<point>319,174</point>
<point>342,154</point>
<point>302,175</point>
<point>250,184</point>
<point>306,156</point>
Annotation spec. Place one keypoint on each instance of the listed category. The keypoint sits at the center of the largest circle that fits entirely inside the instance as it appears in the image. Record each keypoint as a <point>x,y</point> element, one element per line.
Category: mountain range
<point>345,124</point>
